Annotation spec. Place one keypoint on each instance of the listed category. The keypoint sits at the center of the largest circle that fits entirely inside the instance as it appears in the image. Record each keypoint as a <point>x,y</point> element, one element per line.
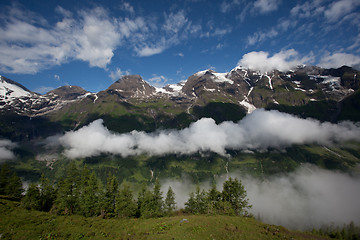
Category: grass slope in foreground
<point>17,223</point>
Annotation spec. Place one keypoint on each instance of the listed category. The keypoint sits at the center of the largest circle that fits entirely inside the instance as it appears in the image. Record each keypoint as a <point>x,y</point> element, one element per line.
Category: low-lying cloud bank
<point>5,150</point>
<point>308,198</point>
<point>257,131</point>
<point>305,199</point>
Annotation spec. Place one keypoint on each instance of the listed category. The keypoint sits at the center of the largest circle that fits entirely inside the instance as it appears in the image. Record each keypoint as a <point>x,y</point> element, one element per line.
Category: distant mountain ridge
<point>132,103</point>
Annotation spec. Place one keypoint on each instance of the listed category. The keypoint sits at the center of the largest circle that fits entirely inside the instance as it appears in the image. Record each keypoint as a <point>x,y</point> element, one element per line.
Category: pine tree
<point>197,202</point>
<point>151,203</point>
<point>147,207</point>
<point>140,199</point>
<point>4,178</point>
<point>14,187</point>
<point>125,204</point>
<point>158,200</point>
<point>47,194</point>
<point>32,198</point>
<point>89,193</point>
<point>214,198</point>
<point>10,183</point>
<point>108,206</point>
<point>235,194</point>
<point>67,199</point>
<point>170,203</point>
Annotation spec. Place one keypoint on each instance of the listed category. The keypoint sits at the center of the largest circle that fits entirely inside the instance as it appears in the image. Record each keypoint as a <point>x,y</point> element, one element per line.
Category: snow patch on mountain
<point>249,107</point>
<point>221,77</point>
<point>11,90</point>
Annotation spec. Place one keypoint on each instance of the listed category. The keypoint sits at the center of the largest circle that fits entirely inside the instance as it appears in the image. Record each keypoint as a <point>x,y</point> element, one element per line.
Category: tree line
<point>80,192</point>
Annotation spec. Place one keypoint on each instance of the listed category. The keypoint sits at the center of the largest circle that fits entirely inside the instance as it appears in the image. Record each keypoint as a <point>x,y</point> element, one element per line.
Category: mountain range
<point>133,104</point>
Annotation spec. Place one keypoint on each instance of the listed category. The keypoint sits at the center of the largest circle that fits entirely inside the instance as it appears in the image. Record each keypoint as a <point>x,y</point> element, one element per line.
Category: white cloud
<point>308,9</point>
<point>259,130</point>
<point>29,45</point>
<point>158,81</point>
<point>306,199</point>
<point>283,60</point>
<point>227,6</point>
<point>128,8</point>
<point>117,74</point>
<point>265,6</point>
<point>56,77</point>
<point>43,89</point>
<point>340,59</point>
<point>5,150</point>
<point>174,22</point>
<point>97,39</point>
<point>149,51</point>
<point>340,8</point>
<point>261,36</point>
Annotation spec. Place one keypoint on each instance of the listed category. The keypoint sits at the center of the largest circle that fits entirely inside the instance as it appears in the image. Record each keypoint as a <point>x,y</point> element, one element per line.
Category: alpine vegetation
<point>259,130</point>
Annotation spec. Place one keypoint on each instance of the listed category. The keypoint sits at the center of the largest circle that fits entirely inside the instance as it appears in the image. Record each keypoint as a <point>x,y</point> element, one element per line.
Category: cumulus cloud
<point>29,44</point>
<point>97,39</point>
<point>5,150</point>
<point>259,130</point>
<point>340,59</point>
<point>283,60</point>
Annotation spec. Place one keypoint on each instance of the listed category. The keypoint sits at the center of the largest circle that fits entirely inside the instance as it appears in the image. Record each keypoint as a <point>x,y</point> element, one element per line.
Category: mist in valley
<point>305,199</point>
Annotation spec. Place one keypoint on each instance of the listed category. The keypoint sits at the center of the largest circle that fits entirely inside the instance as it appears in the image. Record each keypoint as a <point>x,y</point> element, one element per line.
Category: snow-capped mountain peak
<point>10,90</point>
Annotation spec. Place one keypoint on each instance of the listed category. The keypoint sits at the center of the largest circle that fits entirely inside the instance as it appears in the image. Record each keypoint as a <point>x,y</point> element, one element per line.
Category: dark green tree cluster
<point>231,201</point>
<point>10,183</point>
<point>151,203</point>
<point>80,192</point>
<point>40,197</point>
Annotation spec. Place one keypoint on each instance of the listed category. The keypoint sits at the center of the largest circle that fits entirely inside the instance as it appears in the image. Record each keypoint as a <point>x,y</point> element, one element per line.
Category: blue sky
<point>45,44</point>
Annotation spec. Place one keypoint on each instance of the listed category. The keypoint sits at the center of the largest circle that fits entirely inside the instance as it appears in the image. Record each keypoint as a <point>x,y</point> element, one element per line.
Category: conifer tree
<point>32,198</point>
<point>108,206</point>
<point>140,199</point>
<point>170,203</point>
<point>197,203</point>
<point>147,207</point>
<point>89,196</point>
<point>151,203</point>
<point>235,194</point>
<point>4,178</point>
<point>67,199</point>
<point>214,198</point>
<point>47,194</point>
<point>125,204</point>
<point>14,187</point>
<point>158,199</point>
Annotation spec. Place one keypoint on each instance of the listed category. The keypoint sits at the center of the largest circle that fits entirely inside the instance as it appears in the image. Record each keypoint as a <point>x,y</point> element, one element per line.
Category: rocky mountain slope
<point>131,103</point>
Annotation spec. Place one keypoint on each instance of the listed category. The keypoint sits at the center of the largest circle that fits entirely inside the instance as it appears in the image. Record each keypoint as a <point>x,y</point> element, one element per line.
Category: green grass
<point>17,223</point>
